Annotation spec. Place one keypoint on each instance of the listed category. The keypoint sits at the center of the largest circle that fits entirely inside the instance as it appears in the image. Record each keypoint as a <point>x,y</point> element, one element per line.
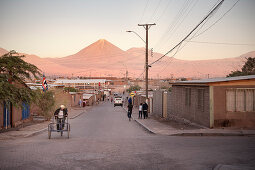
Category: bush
<point>45,101</point>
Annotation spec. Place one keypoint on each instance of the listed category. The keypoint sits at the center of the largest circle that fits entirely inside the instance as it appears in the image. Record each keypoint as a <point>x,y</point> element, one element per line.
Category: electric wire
<point>219,4</point>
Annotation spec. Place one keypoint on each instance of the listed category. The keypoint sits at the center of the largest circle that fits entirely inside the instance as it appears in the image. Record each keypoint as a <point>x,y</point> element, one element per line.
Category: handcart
<point>60,125</point>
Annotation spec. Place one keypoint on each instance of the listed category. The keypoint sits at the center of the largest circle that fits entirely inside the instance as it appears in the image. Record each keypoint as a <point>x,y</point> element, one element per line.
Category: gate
<point>7,112</point>
<point>25,111</point>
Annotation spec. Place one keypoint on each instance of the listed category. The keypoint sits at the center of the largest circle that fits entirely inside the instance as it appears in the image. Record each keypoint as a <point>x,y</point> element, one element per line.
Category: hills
<point>102,58</point>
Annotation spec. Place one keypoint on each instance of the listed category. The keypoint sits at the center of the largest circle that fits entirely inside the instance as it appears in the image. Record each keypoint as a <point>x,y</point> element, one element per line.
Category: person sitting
<point>60,115</point>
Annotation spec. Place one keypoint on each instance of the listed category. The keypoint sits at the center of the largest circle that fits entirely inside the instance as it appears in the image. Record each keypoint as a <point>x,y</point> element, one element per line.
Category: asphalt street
<point>103,138</point>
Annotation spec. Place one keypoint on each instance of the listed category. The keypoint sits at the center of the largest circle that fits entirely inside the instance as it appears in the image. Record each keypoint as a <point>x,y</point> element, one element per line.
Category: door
<point>7,114</point>
<point>25,111</point>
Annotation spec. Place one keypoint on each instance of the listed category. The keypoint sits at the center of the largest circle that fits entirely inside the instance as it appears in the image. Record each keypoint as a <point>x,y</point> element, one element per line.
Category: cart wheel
<point>49,133</point>
<point>68,131</point>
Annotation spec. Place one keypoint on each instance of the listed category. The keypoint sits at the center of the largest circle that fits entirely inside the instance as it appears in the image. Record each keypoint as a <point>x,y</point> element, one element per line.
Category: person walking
<point>130,107</point>
<point>140,111</point>
<point>145,110</point>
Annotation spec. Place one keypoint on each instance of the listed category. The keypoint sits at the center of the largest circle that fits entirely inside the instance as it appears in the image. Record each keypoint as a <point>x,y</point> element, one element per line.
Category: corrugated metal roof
<point>65,81</point>
<point>220,79</point>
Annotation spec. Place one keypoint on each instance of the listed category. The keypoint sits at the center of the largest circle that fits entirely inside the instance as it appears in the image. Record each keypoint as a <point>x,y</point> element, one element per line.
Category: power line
<point>144,10</point>
<point>218,19</point>
<point>219,4</point>
<point>220,43</point>
<point>156,9</point>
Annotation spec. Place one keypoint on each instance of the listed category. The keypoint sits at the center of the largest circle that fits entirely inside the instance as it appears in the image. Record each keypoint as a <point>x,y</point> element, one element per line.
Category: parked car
<point>118,101</point>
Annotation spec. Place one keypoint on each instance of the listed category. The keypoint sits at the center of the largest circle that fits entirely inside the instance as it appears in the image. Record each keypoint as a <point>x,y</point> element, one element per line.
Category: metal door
<point>25,111</point>
<point>7,111</point>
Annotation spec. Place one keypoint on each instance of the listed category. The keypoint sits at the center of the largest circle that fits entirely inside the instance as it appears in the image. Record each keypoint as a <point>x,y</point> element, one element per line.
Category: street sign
<point>132,94</point>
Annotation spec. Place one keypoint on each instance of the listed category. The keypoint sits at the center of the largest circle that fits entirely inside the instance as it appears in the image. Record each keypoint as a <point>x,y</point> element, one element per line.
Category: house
<point>82,84</point>
<point>12,116</point>
<point>216,102</point>
<point>89,98</point>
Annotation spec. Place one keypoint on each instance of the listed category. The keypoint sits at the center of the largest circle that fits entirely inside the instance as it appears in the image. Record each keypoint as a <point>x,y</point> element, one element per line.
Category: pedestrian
<point>80,102</point>
<point>130,107</point>
<point>60,115</point>
<point>108,98</point>
<point>140,111</point>
<point>111,99</point>
<point>145,110</point>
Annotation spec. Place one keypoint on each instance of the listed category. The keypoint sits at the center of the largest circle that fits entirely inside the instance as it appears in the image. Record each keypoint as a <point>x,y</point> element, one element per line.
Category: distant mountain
<point>3,51</point>
<point>102,58</point>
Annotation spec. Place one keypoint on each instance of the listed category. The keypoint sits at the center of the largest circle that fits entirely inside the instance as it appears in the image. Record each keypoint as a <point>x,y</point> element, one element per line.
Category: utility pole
<point>146,27</point>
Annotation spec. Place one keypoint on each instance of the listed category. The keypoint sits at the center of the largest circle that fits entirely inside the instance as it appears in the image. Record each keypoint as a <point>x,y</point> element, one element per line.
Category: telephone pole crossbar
<point>146,27</point>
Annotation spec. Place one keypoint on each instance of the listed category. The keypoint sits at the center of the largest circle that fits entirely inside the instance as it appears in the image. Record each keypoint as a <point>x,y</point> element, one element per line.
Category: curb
<point>77,115</point>
<point>145,127</point>
<point>36,133</point>
<point>45,129</point>
<point>140,124</point>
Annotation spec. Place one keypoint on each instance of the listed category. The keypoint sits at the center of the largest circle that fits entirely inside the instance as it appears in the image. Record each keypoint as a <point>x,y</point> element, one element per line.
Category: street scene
<point>103,138</point>
<point>127,84</point>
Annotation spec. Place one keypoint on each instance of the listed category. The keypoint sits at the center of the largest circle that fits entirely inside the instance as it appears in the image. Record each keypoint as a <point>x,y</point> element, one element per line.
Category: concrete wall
<point>158,103</point>
<point>178,107</point>
<point>233,119</point>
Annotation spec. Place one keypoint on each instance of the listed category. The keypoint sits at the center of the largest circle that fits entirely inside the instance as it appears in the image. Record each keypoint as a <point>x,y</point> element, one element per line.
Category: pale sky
<point>62,27</point>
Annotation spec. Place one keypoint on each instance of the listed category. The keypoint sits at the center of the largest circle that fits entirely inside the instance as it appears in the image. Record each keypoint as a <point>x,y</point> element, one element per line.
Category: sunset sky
<point>62,27</point>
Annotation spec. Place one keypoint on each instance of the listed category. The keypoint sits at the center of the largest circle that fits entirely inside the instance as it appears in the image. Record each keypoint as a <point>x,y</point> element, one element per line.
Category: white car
<point>118,101</point>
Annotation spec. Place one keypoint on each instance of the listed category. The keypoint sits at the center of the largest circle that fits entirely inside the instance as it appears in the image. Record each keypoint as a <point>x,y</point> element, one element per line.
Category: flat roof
<point>214,80</point>
<point>64,81</point>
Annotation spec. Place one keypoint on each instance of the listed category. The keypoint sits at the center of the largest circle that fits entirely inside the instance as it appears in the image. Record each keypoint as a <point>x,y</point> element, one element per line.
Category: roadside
<point>161,126</point>
<point>35,128</point>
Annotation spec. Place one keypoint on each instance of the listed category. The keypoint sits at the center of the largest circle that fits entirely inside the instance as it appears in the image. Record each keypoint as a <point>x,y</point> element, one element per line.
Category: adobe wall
<point>234,119</point>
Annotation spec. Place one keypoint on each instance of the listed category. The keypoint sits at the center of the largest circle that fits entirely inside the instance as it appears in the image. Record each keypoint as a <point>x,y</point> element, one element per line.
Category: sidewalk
<point>169,128</point>
<point>38,128</point>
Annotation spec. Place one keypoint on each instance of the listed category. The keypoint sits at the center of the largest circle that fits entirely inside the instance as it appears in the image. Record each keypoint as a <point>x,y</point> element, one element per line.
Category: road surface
<point>103,138</point>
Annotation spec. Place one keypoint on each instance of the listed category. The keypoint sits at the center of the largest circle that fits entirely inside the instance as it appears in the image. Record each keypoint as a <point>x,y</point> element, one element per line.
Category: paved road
<point>103,138</point>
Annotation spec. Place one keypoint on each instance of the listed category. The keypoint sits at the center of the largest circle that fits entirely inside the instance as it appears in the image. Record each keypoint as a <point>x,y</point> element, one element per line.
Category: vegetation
<point>133,88</point>
<point>70,89</point>
<point>247,69</point>
<point>13,73</point>
<point>45,101</point>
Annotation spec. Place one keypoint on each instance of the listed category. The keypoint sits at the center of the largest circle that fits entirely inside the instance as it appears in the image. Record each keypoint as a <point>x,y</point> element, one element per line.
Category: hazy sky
<point>59,28</point>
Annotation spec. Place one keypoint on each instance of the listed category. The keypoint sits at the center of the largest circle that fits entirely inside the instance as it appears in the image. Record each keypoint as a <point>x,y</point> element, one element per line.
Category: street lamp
<point>137,35</point>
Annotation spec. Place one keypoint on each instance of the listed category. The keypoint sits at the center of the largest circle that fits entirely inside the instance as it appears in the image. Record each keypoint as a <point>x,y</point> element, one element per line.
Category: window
<point>187,96</point>
<point>200,99</point>
<point>240,100</point>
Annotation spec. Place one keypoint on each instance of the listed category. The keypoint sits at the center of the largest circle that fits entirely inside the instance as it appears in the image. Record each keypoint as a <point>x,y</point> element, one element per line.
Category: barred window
<point>240,100</point>
<point>187,96</point>
<point>200,99</point>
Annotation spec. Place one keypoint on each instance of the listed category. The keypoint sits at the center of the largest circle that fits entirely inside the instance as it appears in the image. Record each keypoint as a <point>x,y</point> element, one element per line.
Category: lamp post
<point>147,27</point>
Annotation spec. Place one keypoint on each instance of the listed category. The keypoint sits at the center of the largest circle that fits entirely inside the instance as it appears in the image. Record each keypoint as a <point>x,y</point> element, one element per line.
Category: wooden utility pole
<point>146,27</point>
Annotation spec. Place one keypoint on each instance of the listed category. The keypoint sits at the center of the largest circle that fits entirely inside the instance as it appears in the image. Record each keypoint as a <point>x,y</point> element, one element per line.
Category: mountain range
<point>102,58</point>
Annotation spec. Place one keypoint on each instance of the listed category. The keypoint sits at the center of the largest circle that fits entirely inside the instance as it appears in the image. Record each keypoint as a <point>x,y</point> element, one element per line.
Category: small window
<point>200,99</point>
<point>240,100</point>
<point>187,96</point>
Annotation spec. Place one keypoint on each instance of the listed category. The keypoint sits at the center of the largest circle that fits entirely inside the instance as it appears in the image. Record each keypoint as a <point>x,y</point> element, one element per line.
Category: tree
<point>13,73</point>
<point>133,88</point>
<point>70,89</point>
<point>247,69</point>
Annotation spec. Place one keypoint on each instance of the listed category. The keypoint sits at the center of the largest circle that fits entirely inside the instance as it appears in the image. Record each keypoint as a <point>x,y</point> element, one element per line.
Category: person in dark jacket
<point>145,110</point>
<point>60,115</point>
<point>130,107</point>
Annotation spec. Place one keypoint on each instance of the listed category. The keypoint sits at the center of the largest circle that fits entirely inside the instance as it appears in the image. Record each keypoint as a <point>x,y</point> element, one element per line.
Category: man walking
<point>145,110</point>
<point>130,107</point>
